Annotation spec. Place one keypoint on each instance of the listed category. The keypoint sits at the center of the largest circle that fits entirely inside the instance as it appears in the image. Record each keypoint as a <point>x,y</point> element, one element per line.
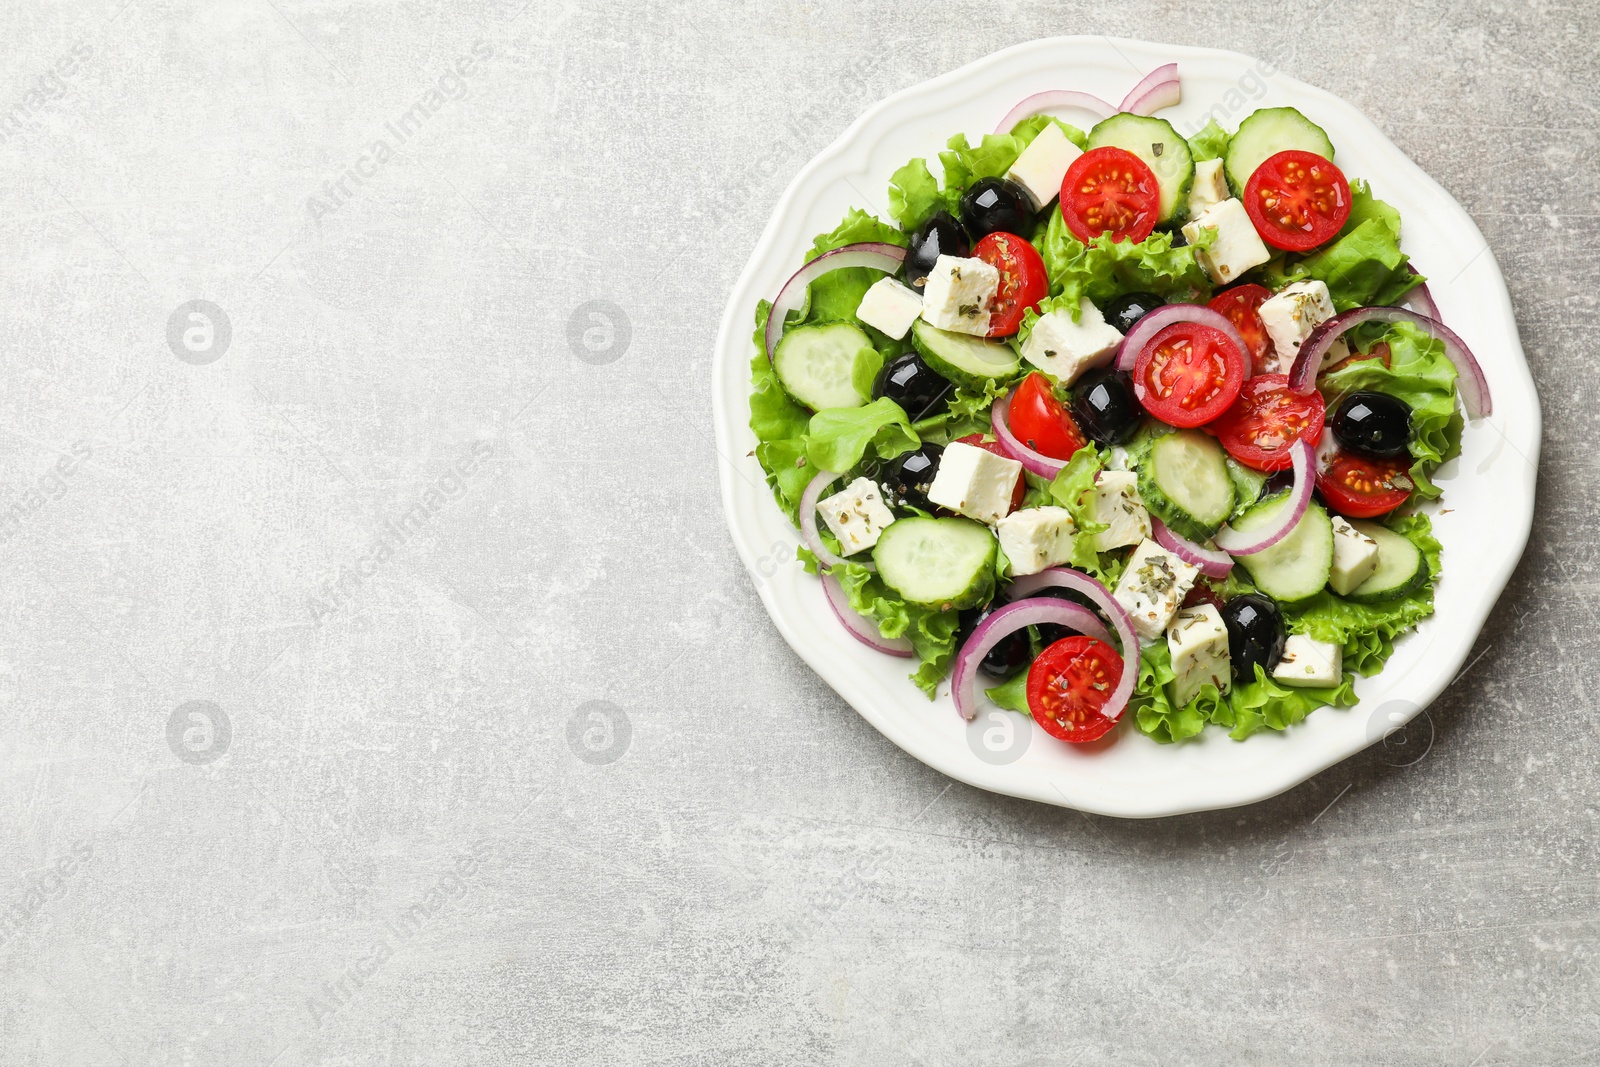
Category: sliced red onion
<point>1159,89</point>
<point>1054,98</point>
<point>1423,297</point>
<point>1165,316</point>
<point>1033,462</point>
<point>1303,453</point>
<point>1015,616</point>
<point>793,295</point>
<point>862,628</point>
<point>808,523</point>
<point>1474,387</point>
<point>1212,563</point>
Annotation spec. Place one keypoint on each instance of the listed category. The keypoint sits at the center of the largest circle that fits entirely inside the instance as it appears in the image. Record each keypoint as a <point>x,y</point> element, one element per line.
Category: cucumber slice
<point>970,362</point>
<point>815,364</point>
<point>1401,567</point>
<point>1267,132</point>
<point>1166,154</point>
<point>1184,482</point>
<point>944,563</point>
<point>1298,566</point>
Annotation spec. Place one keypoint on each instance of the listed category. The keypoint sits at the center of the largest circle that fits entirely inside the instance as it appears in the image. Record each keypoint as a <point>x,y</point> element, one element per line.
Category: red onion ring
<point>1015,616</point>
<point>1162,317</point>
<point>796,291</point>
<point>1212,562</point>
<point>1231,541</point>
<point>1157,90</point>
<point>1052,98</point>
<point>1471,383</point>
<point>808,523</point>
<point>1033,462</point>
<point>862,628</point>
<point>1423,297</point>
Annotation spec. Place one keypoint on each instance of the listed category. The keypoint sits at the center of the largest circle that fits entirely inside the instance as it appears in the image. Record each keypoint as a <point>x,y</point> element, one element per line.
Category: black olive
<point>941,235</point>
<point>916,387</point>
<point>996,205</point>
<point>1373,424</point>
<point>907,478</point>
<point>1129,308</point>
<point>1104,407</point>
<point>1005,658</point>
<point>1255,634</point>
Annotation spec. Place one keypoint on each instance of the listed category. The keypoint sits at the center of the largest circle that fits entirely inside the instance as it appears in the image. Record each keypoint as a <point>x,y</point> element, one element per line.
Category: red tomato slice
<point>976,441</point>
<point>1266,419</point>
<point>1069,684</point>
<point>1241,306</point>
<point>1042,422</point>
<point>1362,488</point>
<point>1297,200</point>
<point>1109,190</point>
<point>1188,374</point>
<point>1023,281</point>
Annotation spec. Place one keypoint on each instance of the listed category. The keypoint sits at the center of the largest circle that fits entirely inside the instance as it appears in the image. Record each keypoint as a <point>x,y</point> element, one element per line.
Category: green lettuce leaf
<point>1422,375</point>
<point>914,195</point>
<point>967,412</point>
<point>1363,266</point>
<point>1210,143</point>
<point>1073,489</point>
<point>836,295</point>
<point>1244,710</point>
<point>1103,268</point>
<point>932,633</point>
<point>1029,128</point>
<point>839,437</point>
<point>1012,694</point>
<point>780,426</point>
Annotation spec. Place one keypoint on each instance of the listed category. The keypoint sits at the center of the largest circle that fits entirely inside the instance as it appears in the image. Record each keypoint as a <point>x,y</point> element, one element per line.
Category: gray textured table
<point>380,686</point>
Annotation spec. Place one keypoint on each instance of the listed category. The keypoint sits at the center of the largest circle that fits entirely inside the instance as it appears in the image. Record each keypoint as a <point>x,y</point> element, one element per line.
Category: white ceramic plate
<point>1487,507</point>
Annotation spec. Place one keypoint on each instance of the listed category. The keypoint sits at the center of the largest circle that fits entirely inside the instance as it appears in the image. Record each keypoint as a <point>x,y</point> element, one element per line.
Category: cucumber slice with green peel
<point>1155,142</point>
<point>816,364</point>
<point>1402,569</point>
<point>1298,566</point>
<point>943,563</point>
<point>970,362</point>
<point>1267,132</point>
<point>1184,482</point>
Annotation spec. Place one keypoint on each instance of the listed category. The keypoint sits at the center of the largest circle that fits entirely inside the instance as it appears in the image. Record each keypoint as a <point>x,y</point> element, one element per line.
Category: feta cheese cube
<point>1355,557</point>
<point>974,482</point>
<point>1064,349</point>
<point>890,307</point>
<point>1117,504</point>
<point>1309,662</point>
<point>1198,642</point>
<point>1210,186</point>
<point>1152,587</point>
<point>959,295</point>
<point>1291,314</point>
<point>857,515</point>
<point>1036,538</point>
<point>1043,164</point>
<point>1237,248</point>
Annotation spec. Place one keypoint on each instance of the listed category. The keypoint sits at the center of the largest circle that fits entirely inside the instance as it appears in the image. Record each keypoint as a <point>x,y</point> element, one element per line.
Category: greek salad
<point>1116,420</point>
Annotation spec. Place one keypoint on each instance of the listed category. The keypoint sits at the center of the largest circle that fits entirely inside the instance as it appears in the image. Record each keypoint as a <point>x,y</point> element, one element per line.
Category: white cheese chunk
<point>1237,248</point>
<point>1310,662</point>
<point>1291,314</point>
<point>1037,538</point>
<point>1210,186</point>
<point>974,482</point>
<point>857,515</point>
<point>890,307</point>
<point>1117,504</point>
<point>1043,164</point>
<point>1064,349</point>
<point>1198,642</point>
<point>1355,557</point>
<point>959,295</point>
<point>1152,587</point>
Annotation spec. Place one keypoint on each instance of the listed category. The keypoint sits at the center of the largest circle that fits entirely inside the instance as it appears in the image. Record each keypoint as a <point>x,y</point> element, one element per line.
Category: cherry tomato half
<point>1188,374</point>
<point>1362,488</point>
<point>1266,419</point>
<point>1109,190</point>
<point>1241,306</point>
<point>1069,684</point>
<point>1297,200</point>
<point>976,441</point>
<point>1041,422</point>
<point>1023,282</point>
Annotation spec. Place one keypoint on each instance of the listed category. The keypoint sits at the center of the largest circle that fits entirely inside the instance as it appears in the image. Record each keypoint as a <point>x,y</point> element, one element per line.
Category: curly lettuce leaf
<point>914,195</point>
<point>967,412</point>
<point>1243,710</point>
<point>1363,266</point>
<point>1210,143</point>
<point>1104,268</point>
<point>780,426</point>
<point>837,438</point>
<point>932,633</point>
<point>1073,489</point>
<point>1012,694</point>
<point>836,295</point>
